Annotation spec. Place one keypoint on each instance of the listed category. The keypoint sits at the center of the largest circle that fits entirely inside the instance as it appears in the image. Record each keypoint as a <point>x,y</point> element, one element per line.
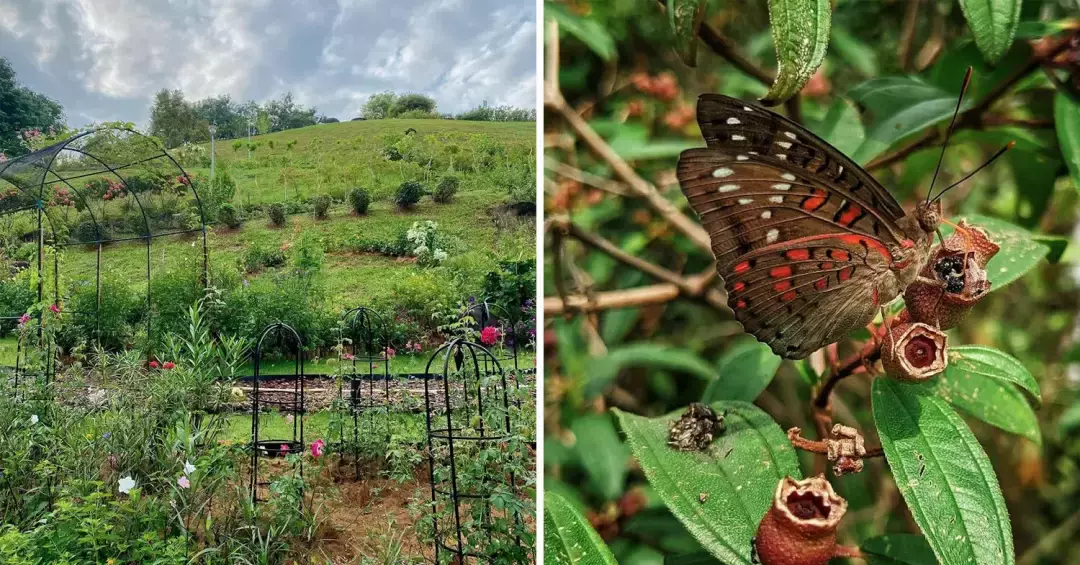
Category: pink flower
<point>55,309</point>
<point>183,482</point>
<point>24,319</point>
<point>348,356</point>
<point>489,335</point>
<point>154,365</point>
<point>169,365</point>
<point>389,353</point>
<point>284,448</point>
<point>317,448</point>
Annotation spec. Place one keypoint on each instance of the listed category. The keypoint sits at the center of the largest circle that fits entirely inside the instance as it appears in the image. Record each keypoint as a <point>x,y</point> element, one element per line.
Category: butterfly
<point>808,244</point>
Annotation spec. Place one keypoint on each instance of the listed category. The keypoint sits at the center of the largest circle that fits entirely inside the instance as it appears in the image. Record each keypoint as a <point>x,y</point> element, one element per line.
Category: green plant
<point>276,213</point>
<point>260,256</point>
<point>445,191</point>
<point>359,200</point>
<point>229,216</point>
<point>408,194</point>
<point>321,206</point>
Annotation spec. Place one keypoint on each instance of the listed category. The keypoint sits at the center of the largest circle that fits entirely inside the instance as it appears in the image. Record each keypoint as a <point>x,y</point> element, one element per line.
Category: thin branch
<point>573,173</point>
<point>612,250</point>
<point>908,34</point>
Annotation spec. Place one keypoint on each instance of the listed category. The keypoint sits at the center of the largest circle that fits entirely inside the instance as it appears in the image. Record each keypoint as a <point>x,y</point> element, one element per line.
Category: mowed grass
<point>331,159</point>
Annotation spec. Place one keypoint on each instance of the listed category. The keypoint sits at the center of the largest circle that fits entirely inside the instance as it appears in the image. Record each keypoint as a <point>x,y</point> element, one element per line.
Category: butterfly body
<point>809,245</point>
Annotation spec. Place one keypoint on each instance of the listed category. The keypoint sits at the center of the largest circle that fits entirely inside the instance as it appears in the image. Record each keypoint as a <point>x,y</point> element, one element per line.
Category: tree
<point>173,120</point>
<point>379,105</point>
<point>23,109</point>
<point>413,103</point>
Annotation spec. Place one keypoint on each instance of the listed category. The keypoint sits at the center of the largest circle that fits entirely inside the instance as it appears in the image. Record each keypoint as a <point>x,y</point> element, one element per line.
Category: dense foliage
<point>640,328</point>
<point>25,113</point>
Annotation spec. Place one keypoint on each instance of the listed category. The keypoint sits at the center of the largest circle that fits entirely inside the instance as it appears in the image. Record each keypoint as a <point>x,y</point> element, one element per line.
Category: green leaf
<point>1020,252</point>
<point>944,476</point>
<point>842,127</point>
<point>588,31</point>
<point>854,52</point>
<point>745,370</point>
<point>1067,121</point>
<point>602,454</point>
<point>983,382</point>
<point>569,539</point>
<point>800,30</point>
<point>685,17</point>
<point>899,549</point>
<point>1040,29</point>
<point>1036,174</point>
<point>602,370</point>
<point>738,475</point>
<point>1057,244</point>
<point>993,22</point>
<point>900,106</point>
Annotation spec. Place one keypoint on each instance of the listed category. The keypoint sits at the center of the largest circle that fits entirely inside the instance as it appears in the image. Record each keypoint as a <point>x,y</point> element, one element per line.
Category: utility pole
<point>213,130</point>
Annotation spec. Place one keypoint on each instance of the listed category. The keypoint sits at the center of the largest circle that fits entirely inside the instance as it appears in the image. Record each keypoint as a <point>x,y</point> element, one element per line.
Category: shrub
<point>260,256</point>
<point>237,145</point>
<point>359,199</point>
<point>229,216</point>
<point>321,206</point>
<point>276,212</point>
<point>114,324</point>
<point>392,154</point>
<point>408,194</point>
<point>448,187</point>
<point>16,298</point>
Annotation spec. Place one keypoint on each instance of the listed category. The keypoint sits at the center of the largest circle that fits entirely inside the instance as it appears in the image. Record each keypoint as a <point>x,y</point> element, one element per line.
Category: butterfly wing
<point>799,238</point>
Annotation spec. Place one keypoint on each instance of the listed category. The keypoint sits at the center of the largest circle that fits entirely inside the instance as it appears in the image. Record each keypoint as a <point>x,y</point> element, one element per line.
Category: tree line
<point>176,121</point>
<point>389,104</point>
<point>23,110</point>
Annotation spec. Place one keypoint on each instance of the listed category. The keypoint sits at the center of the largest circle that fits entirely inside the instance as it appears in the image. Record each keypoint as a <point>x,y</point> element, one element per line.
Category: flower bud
<point>914,352</point>
<point>800,527</point>
<point>953,280</point>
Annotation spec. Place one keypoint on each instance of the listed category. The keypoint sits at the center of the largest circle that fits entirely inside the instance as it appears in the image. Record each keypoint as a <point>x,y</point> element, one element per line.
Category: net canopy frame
<point>106,185</point>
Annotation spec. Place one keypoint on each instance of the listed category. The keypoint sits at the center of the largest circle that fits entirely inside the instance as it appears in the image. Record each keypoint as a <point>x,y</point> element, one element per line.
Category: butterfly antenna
<point>948,132</point>
<point>999,153</point>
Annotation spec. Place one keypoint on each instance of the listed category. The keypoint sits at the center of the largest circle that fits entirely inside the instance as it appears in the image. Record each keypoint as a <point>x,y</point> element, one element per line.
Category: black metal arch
<point>486,314</point>
<point>366,331</point>
<point>461,414</point>
<point>107,153</point>
<point>288,401</point>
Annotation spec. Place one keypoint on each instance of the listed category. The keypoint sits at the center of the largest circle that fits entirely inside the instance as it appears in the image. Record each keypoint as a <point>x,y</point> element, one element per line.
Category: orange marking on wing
<point>875,296</point>
<point>740,304</point>
<point>816,201</point>
<point>789,296</point>
<point>782,286</point>
<point>853,211</point>
<point>780,272</point>
<point>846,273</point>
<point>742,267</point>
<point>738,286</point>
<point>841,255</point>
<point>825,266</point>
<point>821,283</point>
<point>874,244</point>
<point>907,244</point>
<point>798,254</point>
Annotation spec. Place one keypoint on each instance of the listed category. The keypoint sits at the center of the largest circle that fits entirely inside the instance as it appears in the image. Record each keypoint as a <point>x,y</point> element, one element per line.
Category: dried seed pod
<point>914,352</point>
<point>800,527</point>
<point>953,280</point>
<point>696,428</point>
<point>846,450</point>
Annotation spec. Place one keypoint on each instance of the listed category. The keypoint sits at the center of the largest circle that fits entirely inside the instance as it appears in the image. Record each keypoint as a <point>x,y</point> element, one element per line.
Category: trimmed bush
<point>408,194</point>
<point>448,187</point>
<point>259,257</point>
<point>359,199</point>
<point>276,212</point>
<point>229,216</point>
<point>321,205</point>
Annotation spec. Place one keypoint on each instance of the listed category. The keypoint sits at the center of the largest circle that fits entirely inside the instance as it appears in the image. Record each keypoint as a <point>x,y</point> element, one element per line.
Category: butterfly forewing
<point>799,237</point>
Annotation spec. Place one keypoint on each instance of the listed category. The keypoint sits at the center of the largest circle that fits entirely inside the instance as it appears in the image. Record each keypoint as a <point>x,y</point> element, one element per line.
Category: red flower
<point>489,335</point>
<point>317,448</point>
<point>55,309</point>
<point>154,365</point>
<point>169,365</point>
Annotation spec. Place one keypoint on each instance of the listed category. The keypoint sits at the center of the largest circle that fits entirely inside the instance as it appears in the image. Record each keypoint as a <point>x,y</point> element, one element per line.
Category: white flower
<point>188,468</point>
<point>125,484</point>
<point>34,419</point>
<point>439,255</point>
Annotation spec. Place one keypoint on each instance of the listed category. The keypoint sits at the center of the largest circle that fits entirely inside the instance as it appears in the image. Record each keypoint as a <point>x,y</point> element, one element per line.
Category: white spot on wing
<point>784,144</point>
<point>741,158</point>
<point>748,109</point>
<point>781,156</point>
<point>727,188</point>
<point>766,214</point>
<point>776,199</point>
<point>841,169</point>
<point>788,176</point>
<point>738,138</point>
<point>722,172</point>
<point>733,121</point>
<point>772,235</point>
<point>782,186</point>
<point>789,134</point>
<point>745,201</point>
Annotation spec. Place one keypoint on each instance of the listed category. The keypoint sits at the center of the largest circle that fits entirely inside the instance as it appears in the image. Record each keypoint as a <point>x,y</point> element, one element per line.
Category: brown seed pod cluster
<point>696,428</point>
<point>800,527</point>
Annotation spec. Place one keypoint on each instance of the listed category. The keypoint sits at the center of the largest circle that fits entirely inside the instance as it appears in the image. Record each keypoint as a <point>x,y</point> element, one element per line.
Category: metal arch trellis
<point>466,423</point>
<point>486,314</point>
<point>107,153</point>
<point>364,353</point>
<point>291,402</point>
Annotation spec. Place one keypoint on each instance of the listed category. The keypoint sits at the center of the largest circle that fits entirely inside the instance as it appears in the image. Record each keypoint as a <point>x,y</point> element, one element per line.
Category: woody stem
<point>848,368</point>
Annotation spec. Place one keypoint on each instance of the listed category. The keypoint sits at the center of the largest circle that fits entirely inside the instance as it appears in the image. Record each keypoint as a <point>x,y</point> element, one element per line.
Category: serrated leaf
<point>738,475</point>
<point>800,30</point>
<point>842,127</point>
<point>744,371</point>
<point>899,106</point>
<point>993,22</point>
<point>1020,252</point>
<point>587,30</point>
<point>569,539</point>
<point>983,382</point>
<point>602,454</point>
<point>944,476</point>
<point>1067,122</point>
<point>602,370</point>
<point>898,549</point>
<point>685,17</point>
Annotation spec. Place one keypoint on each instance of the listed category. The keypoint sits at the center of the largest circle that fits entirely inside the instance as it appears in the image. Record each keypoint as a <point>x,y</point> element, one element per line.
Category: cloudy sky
<point>104,59</point>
